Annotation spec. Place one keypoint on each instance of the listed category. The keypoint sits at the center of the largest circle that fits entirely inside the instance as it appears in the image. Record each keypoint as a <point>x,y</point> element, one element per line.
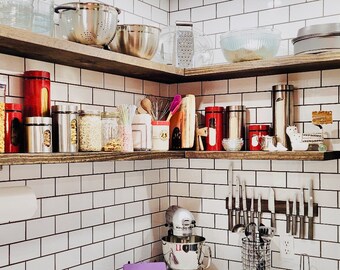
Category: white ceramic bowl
<point>232,144</point>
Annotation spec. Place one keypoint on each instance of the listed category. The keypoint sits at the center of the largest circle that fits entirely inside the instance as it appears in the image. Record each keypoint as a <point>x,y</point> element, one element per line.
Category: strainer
<point>88,23</point>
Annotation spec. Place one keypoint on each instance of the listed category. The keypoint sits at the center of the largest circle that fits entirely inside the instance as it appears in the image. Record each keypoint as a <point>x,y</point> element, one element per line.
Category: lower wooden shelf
<point>50,158</point>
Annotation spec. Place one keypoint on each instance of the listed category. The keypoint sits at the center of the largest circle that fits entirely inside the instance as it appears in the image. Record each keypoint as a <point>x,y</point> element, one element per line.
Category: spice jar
<point>65,128</point>
<point>90,131</point>
<point>13,127</point>
<point>160,135</point>
<point>213,121</point>
<point>38,134</point>
<point>37,93</point>
<point>255,134</point>
<point>111,139</point>
<point>141,132</point>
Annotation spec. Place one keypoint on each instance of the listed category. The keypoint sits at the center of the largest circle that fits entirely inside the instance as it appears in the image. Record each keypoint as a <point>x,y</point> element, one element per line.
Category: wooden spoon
<point>147,106</point>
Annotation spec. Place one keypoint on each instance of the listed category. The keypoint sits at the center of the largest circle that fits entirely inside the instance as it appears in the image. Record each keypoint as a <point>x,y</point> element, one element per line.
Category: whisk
<point>160,107</point>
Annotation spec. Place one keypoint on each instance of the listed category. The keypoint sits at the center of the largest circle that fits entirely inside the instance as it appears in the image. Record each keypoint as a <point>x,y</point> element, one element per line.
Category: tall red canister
<point>255,134</point>
<point>37,100</point>
<point>13,127</point>
<point>214,123</point>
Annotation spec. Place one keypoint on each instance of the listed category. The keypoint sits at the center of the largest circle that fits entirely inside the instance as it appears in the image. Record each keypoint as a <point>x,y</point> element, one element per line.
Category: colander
<point>88,23</point>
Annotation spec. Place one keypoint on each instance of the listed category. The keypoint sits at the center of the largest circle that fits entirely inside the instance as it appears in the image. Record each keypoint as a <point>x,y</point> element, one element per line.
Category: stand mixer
<point>181,249</point>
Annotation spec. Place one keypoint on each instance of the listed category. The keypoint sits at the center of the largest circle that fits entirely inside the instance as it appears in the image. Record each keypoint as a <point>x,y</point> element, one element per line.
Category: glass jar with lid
<point>90,131</point>
<point>111,139</point>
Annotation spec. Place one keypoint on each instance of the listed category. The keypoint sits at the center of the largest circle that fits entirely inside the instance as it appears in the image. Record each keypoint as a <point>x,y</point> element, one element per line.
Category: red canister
<point>13,127</point>
<point>255,136</point>
<point>214,123</point>
<point>37,93</point>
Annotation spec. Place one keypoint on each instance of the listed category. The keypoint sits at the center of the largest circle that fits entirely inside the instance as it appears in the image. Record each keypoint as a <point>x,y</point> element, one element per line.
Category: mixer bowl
<point>136,39</point>
<point>186,253</point>
<point>88,23</point>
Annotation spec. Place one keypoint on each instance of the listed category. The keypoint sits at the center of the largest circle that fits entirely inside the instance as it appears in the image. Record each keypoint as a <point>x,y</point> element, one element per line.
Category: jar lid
<point>114,114</point>
<point>13,107</point>
<point>38,120</point>
<point>283,87</point>
<point>160,123</point>
<point>89,112</point>
<point>37,74</point>
<point>259,127</point>
<point>235,108</point>
<point>65,108</point>
<point>214,109</point>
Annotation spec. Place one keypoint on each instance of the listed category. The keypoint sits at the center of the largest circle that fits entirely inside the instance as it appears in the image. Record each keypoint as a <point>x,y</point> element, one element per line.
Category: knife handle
<point>273,221</point>
<point>251,216</point>
<point>310,228</point>
<point>287,223</point>
<point>230,219</point>
<point>237,217</point>
<point>294,225</point>
<point>302,227</point>
<point>245,217</point>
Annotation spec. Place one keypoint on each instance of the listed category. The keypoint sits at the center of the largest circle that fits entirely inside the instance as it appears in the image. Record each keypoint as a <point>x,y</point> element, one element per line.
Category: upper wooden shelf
<point>30,45</point>
<point>50,158</point>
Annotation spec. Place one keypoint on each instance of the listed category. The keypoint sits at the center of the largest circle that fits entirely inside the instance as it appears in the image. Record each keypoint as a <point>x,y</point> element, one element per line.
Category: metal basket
<point>256,254</point>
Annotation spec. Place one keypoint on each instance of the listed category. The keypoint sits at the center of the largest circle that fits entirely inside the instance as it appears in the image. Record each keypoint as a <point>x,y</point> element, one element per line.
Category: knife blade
<point>302,214</point>
<point>259,210</point>
<point>252,207</point>
<point>294,216</point>
<point>310,210</point>
<point>237,201</point>
<point>271,207</point>
<point>244,203</point>
<point>287,217</point>
<point>230,197</point>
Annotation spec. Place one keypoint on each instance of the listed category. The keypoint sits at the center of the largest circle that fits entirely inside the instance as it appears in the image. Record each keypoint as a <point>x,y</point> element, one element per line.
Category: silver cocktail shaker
<point>283,112</point>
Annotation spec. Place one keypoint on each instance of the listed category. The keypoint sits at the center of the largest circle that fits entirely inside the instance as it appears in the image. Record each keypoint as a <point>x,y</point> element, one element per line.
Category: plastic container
<point>43,13</point>
<point>90,137</point>
<point>37,100</point>
<point>16,13</point>
<point>111,139</point>
<point>13,128</point>
<point>38,134</point>
<point>214,123</point>
<point>160,135</point>
<point>141,132</point>
<point>255,134</point>
<point>65,128</point>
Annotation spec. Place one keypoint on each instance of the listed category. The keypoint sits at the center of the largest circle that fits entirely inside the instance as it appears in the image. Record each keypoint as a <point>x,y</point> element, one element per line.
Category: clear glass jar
<point>111,139</point>
<point>127,138</point>
<point>16,13</point>
<point>43,13</point>
<point>90,138</point>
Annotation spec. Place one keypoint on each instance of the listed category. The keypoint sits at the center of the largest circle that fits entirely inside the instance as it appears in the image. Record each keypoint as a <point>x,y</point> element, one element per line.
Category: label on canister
<point>47,138</point>
<point>73,131</point>
<point>255,140</point>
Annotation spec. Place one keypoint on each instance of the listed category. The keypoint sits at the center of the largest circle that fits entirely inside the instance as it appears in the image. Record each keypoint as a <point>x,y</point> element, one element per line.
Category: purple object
<point>145,266</point>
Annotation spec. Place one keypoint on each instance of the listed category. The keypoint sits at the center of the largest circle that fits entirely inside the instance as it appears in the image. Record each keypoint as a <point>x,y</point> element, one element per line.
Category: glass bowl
<point>232,144</point>
<point>250,44</point>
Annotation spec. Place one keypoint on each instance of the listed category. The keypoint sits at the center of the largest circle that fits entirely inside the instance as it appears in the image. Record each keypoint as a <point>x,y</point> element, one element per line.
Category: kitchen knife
<point>252,208</point>
<point>230,197</point>
<point>287,217</point>
<point>237,201</point>
<point>259,210</point>
<point>244,203</point>
<point>294,216</point>
<point>310,210</point>
<point>302,214</point>
<point>271,207</point>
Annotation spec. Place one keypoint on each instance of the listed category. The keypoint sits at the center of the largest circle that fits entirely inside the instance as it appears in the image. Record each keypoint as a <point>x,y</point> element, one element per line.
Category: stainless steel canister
<point>236,122</point>
<point>38,131</point>
<point>283,112</point>
<point>65,128</point>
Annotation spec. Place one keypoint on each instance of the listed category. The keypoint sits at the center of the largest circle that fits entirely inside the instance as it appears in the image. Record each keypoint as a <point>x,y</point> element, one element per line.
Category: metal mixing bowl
<point>88,23</point>
<point>136,40</point>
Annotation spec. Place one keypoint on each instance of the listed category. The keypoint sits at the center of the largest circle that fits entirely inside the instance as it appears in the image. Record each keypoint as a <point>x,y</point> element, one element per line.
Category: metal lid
<point>317,30</point>
<point>259,127</point>
<point>37,74</point>
<point>89,112</point>
<point>13,107</point>
<point>64,108</point>
<point>38,120</point>
<point>235,108</point>
<point>283,87</point>
<point>214,109</point>
<point>114,114</point>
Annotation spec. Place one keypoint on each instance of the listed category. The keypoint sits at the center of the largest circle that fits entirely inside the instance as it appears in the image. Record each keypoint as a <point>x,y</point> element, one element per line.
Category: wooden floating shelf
<point>40,47</point>
<point>50,158</point>
<point>262,155</point>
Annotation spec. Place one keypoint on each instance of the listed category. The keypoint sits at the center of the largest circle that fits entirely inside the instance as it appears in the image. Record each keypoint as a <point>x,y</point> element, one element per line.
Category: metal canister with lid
<point>236,122</point>
<point>13,127</point>
<point>38,131</point>
<point>65,128</point>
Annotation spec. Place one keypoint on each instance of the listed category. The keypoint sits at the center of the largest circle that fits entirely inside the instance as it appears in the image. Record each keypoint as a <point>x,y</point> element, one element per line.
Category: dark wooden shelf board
<point>262,155</point>
<point>49,158</point>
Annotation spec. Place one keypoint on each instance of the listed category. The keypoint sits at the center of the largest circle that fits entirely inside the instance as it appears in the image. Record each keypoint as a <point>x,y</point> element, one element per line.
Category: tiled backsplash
<point>98,216</point>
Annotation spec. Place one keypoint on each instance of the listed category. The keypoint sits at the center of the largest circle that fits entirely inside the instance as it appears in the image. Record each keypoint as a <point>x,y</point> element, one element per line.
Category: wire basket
<point>256,254</point>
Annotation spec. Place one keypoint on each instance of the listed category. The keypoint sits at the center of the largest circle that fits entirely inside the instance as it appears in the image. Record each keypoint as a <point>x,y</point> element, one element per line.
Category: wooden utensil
<point>147,106</point>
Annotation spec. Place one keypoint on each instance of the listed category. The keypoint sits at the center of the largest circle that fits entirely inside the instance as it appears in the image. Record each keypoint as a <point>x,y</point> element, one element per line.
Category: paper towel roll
<point>17,203</point>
